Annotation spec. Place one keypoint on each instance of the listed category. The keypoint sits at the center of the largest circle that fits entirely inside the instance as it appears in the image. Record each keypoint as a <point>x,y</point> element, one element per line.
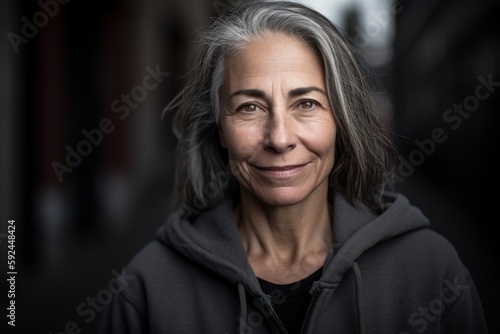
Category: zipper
<point>307,318</point>
<point>274,316</point>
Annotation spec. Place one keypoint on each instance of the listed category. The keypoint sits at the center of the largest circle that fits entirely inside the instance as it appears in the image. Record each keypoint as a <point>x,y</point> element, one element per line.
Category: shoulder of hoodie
<point>420,248</point>
<point>161,272</point>
<point>413,271</point>
<point>421,253</point>
<point>157,262</point>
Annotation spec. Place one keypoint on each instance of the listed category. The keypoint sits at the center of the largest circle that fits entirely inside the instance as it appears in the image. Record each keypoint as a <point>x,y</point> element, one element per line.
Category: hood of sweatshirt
<point>212,240</point>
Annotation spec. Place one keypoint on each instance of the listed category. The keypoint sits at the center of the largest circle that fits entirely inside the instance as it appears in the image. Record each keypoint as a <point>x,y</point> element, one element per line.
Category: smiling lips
<point>280,172</point>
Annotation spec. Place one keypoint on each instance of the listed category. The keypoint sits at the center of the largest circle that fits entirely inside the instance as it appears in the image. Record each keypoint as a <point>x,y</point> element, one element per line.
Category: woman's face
<point>276,121</point>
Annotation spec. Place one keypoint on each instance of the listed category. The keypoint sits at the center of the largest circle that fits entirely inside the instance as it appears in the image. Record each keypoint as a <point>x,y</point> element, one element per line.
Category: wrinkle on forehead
<point>274,63</point>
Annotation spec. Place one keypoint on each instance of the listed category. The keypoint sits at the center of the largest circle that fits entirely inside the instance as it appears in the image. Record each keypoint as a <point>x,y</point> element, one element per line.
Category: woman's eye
<point>249,108</point>
<point>307,105</point>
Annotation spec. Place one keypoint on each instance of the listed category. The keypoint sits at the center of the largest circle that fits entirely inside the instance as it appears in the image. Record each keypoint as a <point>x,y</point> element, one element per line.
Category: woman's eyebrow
<point>291,94</point>
<point>304,90</point>
<point>249,92</point>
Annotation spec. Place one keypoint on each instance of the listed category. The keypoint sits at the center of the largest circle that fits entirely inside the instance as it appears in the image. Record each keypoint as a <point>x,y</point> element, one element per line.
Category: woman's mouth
<point>280,172</point>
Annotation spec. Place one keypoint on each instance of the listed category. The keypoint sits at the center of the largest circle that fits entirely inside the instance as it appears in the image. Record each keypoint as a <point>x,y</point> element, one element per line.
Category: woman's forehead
<point>274,58</point>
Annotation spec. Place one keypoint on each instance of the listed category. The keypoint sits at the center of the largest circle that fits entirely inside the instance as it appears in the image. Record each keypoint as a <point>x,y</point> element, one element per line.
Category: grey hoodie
<point>386,273</point>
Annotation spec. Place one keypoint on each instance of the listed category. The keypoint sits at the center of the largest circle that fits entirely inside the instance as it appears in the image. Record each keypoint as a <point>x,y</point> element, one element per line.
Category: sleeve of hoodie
<point>126,313</point>
<point>460,303</point>
<point>130,311</point>
<point>122,316</point>
<point>466,315</point>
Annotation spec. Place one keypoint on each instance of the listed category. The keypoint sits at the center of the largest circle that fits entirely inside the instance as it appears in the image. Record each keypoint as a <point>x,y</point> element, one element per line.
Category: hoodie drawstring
<point>243,308</point>
<point>359,297</point>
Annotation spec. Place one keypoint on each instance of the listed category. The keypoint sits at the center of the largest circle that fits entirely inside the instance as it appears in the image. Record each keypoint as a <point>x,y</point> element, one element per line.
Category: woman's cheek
<point>243,142</point>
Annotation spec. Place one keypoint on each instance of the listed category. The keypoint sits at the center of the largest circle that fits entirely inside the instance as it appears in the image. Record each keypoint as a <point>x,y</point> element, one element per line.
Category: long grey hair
<point>365,154</point>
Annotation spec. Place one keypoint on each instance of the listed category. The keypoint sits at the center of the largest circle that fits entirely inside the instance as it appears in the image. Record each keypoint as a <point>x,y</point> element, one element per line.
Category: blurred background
<point>87,162</point>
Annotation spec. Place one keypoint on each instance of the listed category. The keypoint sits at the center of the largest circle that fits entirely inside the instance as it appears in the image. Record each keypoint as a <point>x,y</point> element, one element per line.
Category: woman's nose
<point>280,135</point>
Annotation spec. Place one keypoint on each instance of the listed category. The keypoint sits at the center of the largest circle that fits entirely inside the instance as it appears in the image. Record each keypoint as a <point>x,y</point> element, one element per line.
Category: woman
<point>282,224</point>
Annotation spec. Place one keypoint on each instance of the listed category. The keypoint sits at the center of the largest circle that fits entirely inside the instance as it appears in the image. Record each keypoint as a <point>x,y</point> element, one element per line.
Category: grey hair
<point>365,154</point>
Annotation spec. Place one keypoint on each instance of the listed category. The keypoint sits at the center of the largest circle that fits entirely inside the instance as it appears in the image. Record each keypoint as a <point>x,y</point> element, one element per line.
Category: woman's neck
<point>285,237</point>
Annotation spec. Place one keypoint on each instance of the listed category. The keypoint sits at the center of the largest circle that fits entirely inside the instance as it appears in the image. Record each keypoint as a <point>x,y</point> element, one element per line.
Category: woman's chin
<point>282,196</point>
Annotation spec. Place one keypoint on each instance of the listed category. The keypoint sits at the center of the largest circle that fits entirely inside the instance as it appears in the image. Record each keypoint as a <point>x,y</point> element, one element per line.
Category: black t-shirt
<point>290,301</point>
